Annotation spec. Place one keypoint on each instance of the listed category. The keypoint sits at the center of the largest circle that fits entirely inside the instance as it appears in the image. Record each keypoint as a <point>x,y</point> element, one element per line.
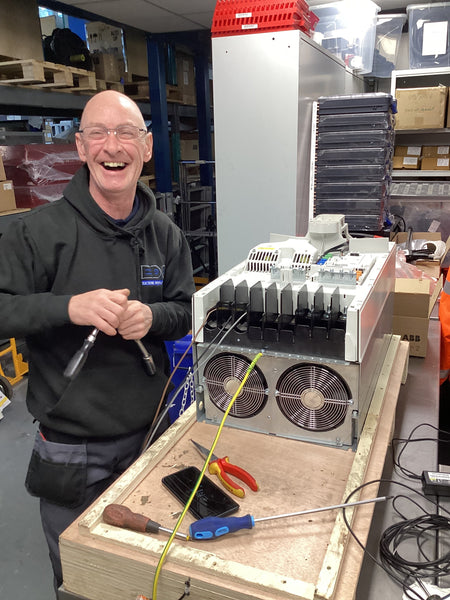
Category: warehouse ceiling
<point>163,16</point>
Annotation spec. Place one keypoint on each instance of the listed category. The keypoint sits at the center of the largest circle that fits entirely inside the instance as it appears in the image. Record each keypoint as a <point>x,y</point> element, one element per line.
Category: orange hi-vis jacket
<point>444,317</point>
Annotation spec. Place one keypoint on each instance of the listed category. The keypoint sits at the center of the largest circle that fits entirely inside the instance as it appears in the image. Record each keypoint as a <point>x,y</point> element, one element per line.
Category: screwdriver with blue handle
<point>213,527</point>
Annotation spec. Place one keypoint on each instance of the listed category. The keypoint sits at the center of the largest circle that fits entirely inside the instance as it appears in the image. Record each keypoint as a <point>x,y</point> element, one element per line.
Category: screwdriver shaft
<point>315,510</point>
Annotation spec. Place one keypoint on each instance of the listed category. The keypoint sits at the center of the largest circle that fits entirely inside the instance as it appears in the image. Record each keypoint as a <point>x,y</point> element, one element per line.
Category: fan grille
<point>223,375</point>
<point>313,397</point>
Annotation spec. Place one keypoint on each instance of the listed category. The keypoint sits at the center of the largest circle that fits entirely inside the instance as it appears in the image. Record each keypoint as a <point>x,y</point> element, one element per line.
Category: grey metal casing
<point>371,336</point>
<point>264,88</point>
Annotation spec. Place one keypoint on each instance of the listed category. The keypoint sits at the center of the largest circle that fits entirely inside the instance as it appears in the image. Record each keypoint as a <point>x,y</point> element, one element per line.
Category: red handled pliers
<point>222,466</point>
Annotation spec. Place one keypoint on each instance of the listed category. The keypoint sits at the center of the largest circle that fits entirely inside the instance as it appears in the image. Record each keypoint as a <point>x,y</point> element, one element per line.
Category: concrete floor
<point>25,571</point>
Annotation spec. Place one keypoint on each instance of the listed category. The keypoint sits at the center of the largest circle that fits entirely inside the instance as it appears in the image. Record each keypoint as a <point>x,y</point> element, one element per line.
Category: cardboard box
<point>435,163</point>
<point>2,170</point>
<point>407,150</point>
<point>51,22</point>
<point>405,162</point>
<point>414,300</point>
<point>435,151</point>
<point>20,30</point>
<point>136,53</point>
<point>101,37</point>
<point>7,197</point>
<point>186,78</point>
<point>421,108</point>
<point>189,149</point>
<point>107,66</point>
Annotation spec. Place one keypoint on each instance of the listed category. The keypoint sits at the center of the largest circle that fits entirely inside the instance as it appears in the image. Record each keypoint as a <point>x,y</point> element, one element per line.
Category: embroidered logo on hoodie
<point>152,274</point>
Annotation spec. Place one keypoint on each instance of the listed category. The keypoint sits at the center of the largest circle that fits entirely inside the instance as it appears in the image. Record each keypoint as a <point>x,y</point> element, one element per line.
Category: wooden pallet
<point>109,85</point>
<point>139,90</point>
<point>83,80</point>
<point>313,558</point>
<point>42,74</point>
<point>22,71</point>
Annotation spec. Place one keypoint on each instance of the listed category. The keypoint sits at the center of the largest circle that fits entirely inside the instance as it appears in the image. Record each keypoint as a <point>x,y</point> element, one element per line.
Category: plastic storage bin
<point>429,35</point>
<point>387,40</point>
<point>175,350</point>
<point>347,29</point>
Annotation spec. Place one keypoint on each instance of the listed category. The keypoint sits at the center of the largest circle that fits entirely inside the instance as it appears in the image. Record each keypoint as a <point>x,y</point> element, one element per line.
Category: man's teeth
<point>114,165</point>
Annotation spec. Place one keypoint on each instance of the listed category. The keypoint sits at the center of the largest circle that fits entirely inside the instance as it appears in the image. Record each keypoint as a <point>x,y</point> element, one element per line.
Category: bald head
<point>114,143</point>
<point>111,101</point>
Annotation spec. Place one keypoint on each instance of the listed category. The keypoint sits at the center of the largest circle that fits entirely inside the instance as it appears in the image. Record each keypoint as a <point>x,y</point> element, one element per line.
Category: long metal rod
<point>314,510</point>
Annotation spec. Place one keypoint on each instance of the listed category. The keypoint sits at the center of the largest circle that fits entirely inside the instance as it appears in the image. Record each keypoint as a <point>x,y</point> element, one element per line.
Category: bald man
<point>101,257</point>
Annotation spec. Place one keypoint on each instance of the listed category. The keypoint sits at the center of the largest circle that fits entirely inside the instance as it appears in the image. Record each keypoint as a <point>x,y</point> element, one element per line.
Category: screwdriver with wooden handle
<point>122,516</point>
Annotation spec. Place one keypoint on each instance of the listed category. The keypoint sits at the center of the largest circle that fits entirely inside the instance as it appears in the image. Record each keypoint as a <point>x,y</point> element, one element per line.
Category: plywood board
<point>301,558</point>
<point>20,30</point>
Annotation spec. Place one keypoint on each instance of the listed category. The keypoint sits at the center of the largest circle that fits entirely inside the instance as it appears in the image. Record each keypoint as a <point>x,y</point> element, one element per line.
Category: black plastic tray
<point>357,156</point>
<point>364,138</point>
<point>372,206</point>
<point>333,191</point>
<point>339,173</point>
<point>355,121</point>
<point>354,103</point>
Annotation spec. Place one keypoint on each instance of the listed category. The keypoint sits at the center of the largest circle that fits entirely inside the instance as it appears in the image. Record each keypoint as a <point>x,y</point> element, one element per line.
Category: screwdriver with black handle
<point>76,363</point>
<point>213,527</point>
<point>121,516</point>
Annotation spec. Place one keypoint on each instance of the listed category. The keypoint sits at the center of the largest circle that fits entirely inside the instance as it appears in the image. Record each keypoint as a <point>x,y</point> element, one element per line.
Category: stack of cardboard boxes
<point>106,45</point>
<point>415,297</point>
<point>428,158</point>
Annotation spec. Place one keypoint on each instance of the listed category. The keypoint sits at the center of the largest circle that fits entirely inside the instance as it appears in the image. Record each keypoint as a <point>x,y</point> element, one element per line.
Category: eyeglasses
<point>124,133</point>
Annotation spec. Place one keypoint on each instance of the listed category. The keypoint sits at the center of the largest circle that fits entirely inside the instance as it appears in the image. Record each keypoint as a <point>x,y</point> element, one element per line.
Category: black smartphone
<point>209,500</point>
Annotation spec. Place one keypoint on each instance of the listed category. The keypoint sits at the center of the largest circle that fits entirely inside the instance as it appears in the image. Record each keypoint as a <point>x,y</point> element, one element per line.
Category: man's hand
<point>136,321</point>
<point>103,309</point>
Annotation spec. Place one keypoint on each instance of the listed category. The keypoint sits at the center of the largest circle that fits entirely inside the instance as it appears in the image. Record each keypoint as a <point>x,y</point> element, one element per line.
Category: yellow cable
<point>197,485</point>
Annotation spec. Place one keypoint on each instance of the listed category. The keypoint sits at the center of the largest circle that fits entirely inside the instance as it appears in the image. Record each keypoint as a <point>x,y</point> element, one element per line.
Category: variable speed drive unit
<point>319,308</point>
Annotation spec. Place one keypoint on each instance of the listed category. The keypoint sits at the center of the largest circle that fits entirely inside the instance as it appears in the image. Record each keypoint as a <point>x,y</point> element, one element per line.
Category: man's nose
<point>112,141</point>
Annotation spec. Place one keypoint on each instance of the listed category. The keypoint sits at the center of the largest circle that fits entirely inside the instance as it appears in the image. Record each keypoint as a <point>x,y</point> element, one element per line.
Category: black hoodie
<point>70,247</point>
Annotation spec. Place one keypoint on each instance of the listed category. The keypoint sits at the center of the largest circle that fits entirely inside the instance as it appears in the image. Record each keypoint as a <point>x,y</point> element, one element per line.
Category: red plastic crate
<point>239,17</point>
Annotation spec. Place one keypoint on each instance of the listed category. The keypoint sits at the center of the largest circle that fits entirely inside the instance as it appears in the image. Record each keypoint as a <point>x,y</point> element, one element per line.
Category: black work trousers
<point>105,461</point>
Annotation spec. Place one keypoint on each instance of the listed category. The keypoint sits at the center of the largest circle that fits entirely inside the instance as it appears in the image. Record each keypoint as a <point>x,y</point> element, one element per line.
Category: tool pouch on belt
<point>57,472</point>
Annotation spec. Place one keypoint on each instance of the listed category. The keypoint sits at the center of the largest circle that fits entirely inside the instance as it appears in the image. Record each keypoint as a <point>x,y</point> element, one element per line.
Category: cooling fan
<point>306,397</point>
<point>223,375</point>
<point>313,397</point>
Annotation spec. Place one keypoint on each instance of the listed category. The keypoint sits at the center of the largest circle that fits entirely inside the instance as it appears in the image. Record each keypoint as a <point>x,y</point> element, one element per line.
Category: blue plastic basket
<point>175,351</point>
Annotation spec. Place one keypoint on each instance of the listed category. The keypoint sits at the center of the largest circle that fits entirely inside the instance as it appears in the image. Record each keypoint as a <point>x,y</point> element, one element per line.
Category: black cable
<point>165,410</point>
<point>400,570</point>
<point>406,441</point>
<point>187,589</point>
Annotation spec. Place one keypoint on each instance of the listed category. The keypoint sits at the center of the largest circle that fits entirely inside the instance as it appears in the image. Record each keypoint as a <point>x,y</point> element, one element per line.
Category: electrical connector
<point>436,483</point>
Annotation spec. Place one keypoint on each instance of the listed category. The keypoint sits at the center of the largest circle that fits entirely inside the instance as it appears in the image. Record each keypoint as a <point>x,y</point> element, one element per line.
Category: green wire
<point>197,485</point>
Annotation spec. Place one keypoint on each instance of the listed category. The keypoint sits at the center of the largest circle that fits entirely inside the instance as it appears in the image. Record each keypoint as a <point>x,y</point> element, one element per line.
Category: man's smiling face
<point>114,164</point>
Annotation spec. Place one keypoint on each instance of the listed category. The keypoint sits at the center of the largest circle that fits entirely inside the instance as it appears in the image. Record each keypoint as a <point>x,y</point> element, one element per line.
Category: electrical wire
<point>197,485</point>
<point>396,442</point>
<point>405,572</point>
<point>211,347</point>
<point>155,423</point>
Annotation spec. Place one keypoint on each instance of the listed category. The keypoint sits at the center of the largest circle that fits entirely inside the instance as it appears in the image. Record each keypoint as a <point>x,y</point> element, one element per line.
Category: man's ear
<point>80,147</point>
<point>148,147</point>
